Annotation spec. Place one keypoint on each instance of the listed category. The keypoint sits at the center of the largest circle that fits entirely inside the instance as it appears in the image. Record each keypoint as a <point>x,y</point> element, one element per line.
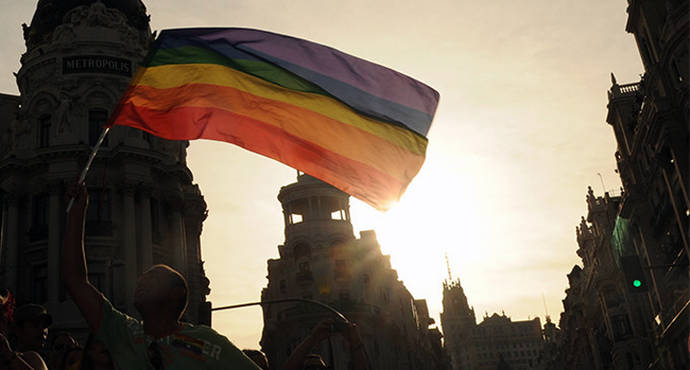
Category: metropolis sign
<point>96,64</point>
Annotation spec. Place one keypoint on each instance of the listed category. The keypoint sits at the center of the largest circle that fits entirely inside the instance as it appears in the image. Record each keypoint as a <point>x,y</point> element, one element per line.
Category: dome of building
<point>50,13</point>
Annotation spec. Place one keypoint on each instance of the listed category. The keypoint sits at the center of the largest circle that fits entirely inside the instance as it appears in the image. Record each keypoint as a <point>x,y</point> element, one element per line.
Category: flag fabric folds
<point>354,124</point>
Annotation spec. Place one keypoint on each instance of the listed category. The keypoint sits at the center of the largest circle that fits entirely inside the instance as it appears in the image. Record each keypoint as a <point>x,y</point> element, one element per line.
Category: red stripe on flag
<point>187,123</point>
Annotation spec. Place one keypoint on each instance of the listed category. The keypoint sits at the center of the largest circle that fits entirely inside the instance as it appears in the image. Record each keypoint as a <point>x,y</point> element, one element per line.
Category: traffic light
<point>635,279</point>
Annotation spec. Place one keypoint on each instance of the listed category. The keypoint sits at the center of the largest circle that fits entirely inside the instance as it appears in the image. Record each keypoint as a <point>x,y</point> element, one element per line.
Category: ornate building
<point>496,342</point>
<point>650,121</point>
<point>606,323</point>
<point>322,260</point>
<point>603,324</point>
<point>144,206</point>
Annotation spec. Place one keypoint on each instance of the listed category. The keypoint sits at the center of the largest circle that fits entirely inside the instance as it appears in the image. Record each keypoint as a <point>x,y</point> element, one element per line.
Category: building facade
<point>144,208</point>
<point>495,343</point>
<point>603,325</point>
<point>650,121</point>
<point>322,260</point>
<point>607,324</point>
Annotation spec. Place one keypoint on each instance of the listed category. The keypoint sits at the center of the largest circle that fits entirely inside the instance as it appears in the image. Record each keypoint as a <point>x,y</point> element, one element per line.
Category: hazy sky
<point>519,134</point>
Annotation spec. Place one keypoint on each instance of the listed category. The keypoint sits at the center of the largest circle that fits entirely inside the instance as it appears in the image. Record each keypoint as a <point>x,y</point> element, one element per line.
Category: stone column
<point>11,241</point>
<point>129,244</point>
<point>55,224</point>
<point>145,232</point>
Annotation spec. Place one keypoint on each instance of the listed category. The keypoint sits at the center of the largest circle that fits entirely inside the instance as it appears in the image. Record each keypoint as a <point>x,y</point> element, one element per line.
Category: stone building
<point>322,260</point>
<point>496,342</point>
<point>144,209</point>
<point>650,121</point>
<point>458,321</point>
<point>606,324</point>
<point>603,325</point>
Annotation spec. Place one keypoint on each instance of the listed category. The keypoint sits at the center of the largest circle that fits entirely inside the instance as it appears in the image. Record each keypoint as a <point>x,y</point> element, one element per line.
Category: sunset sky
<point>519,134</point>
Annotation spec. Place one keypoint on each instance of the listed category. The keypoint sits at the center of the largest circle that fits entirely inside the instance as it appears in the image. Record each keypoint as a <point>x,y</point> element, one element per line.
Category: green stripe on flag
<point>263,70</point>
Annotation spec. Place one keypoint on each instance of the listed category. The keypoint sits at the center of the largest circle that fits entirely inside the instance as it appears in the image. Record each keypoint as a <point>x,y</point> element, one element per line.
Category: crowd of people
<point>117,341</point>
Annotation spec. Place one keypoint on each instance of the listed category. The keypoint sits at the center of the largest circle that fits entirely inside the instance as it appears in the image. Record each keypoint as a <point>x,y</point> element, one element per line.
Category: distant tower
<point>458,321</point>
<point>144,206</point>
<point>322,260</point>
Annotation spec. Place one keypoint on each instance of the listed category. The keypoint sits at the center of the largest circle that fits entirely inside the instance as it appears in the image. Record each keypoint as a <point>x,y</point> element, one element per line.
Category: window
<point>304,267</point>
<point>44,131</point>
<point>97,118</point>
<point>621,327</point>
<point>295,218</point>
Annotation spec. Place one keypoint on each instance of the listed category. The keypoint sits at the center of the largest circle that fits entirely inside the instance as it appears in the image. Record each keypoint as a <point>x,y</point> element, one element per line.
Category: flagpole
<point>82,177</point>
<point>263,303</point>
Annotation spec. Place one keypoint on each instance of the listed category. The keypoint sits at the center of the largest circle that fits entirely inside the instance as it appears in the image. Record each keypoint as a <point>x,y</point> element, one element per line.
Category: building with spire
<point>322,260</point>
<point>144,208</point>
<point>458,322</point>
<point>495,343</point>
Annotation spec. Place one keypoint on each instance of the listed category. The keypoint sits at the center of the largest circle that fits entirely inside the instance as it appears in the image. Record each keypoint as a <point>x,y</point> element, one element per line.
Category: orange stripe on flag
<point>184,123</point>
<point>340,138</point>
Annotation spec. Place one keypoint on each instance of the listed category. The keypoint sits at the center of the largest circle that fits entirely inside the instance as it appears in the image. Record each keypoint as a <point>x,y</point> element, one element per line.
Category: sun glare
<point>433,218</point>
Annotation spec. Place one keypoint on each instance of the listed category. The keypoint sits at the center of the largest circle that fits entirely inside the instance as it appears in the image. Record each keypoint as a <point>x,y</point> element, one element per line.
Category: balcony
<point>627,90</point>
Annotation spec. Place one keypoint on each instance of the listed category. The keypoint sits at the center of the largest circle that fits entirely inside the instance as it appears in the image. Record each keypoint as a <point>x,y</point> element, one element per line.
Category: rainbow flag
<point>354,124</point>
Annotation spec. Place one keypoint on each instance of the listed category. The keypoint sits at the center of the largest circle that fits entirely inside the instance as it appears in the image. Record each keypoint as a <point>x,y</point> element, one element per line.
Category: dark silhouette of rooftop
<point>50,14</point>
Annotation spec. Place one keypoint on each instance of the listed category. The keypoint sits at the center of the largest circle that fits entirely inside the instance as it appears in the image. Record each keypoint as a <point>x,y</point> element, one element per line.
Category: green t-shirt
<point>191,347</point>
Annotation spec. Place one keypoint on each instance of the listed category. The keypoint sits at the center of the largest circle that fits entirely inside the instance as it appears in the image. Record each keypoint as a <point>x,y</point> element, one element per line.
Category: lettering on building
<point>96,64</point>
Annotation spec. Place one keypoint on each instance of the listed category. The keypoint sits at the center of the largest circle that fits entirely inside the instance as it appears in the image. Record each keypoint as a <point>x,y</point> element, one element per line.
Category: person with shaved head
<point>161,340</point>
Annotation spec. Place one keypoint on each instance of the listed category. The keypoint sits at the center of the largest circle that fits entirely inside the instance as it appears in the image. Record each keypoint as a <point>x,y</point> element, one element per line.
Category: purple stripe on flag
<point>370,77</point>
